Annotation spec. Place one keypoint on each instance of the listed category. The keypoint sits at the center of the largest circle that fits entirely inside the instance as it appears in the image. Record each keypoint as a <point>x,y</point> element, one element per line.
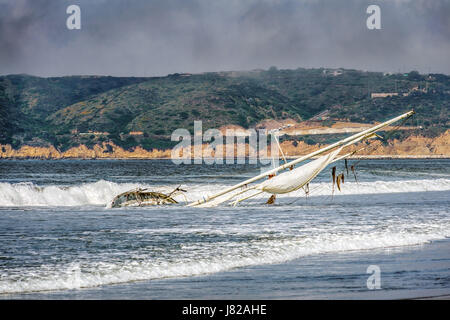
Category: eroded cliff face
<point>412,146</point>
<point>104,151</point>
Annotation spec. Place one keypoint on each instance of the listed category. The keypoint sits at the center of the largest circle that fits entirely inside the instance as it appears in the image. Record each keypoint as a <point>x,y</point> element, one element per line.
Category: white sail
<point>295,179</point>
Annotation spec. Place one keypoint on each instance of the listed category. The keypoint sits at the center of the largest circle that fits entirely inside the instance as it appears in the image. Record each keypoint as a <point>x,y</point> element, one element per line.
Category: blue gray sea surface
<point>60,239</point>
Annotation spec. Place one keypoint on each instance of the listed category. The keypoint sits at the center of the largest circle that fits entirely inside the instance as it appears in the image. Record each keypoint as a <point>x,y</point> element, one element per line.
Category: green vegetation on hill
<point>8,118</point>
<point>428,95</point>
<point>68,111</point>
<point>26,101</point>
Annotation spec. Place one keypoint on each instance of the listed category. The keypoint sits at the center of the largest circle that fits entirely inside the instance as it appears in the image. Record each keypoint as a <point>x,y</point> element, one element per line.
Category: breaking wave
<point>100,193</point>
<point>29,194</point>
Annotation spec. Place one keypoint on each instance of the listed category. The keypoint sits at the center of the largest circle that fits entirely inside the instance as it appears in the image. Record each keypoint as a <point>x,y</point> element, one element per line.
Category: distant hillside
<point>26,101</point>
<point>69,111</point>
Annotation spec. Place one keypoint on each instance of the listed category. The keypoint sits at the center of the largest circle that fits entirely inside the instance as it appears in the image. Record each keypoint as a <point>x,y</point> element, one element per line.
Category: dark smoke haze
<point>157,37</point>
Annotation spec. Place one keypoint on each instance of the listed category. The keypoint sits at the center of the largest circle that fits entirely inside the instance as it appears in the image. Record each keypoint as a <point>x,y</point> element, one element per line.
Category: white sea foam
<point>28,194</point>
<point>102,192</point>
<point>219,258</point>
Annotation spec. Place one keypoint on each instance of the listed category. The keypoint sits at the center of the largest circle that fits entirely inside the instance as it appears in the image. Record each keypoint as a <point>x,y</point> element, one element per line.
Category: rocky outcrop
<point>412,146</point>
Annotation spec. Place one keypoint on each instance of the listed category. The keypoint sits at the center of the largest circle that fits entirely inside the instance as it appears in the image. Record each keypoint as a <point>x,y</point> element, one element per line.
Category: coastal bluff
<point>413,146</point>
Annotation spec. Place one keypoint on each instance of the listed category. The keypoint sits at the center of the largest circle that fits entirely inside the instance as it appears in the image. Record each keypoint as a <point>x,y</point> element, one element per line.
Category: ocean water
<point>58,234</point>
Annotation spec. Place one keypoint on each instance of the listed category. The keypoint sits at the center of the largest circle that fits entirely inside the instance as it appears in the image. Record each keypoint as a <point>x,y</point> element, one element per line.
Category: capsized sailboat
<point>297,177</point>
<point>275,181</point>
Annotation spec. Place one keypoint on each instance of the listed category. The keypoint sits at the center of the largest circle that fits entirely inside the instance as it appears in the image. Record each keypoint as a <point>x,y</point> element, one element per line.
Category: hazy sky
<point>158,37</point>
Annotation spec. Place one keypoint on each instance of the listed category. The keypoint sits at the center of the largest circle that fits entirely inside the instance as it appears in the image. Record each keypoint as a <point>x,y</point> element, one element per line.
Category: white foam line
<point>76,275</point>
<point>102,192</point>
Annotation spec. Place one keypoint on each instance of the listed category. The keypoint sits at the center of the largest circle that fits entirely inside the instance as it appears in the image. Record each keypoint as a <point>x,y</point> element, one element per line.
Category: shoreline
<point>326,276</point>
<point>440,297</point>
<point>365,157</point>
<point>414,147</point>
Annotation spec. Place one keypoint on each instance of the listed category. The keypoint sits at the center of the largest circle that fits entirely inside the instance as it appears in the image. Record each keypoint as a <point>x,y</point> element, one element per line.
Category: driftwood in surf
<point>142,197</point>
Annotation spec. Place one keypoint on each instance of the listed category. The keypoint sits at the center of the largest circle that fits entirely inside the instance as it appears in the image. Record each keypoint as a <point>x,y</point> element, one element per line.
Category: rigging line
<point>234,203</point>
<point>319,187</point>
<point>387,136</point>
<point>298,197</point>
<point>279,147</point>
<point>391,132</point>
